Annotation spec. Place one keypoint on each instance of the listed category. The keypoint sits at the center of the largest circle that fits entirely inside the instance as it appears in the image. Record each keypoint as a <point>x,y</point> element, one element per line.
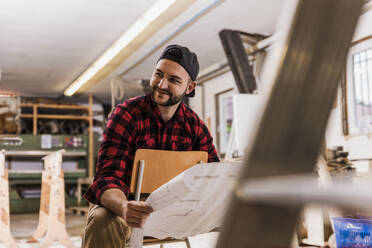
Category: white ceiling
<point>46,44</point>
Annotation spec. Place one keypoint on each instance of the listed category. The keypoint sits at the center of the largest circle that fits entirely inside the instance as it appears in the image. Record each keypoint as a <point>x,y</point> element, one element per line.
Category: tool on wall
<point>240,49</point>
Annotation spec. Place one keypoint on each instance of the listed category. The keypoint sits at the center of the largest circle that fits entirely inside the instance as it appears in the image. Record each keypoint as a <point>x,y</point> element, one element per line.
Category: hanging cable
<point>117,90</point>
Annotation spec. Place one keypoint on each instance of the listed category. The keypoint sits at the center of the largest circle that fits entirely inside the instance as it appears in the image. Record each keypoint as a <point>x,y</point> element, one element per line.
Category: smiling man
<point>159,120</point>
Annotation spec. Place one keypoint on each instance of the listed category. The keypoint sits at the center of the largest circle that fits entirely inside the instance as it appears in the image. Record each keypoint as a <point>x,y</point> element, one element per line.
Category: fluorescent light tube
<point>134,30</point>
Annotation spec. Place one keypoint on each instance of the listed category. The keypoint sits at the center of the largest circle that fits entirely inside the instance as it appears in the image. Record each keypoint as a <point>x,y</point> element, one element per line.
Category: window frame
<point>221,132</point>
<point>350,125</point>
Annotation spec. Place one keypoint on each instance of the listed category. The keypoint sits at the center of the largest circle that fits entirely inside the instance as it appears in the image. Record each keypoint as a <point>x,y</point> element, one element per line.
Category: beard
<point>172,100</point>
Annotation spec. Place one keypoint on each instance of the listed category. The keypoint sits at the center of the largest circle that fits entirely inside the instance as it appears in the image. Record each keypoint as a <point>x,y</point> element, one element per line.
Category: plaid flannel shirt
<point>135,124</point>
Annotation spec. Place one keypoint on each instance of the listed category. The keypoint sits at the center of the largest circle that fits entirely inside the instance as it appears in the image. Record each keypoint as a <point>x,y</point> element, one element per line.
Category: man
<point>158,120</point>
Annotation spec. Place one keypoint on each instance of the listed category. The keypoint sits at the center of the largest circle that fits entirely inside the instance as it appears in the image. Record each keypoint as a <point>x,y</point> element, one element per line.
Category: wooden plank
<point>44,208</point>
<point>27,116</point>
<point>70,117</point>
<point>34,120</point>
<point>27,105</point>
<point>5,234</point>
<point>52,225</point>
<point>91,154</point>
<point>80,182</point>
<point>55,106</point>
<point>48,116</point>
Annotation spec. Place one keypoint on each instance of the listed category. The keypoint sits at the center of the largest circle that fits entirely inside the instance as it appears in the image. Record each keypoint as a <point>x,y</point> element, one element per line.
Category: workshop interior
<point>284,88</point>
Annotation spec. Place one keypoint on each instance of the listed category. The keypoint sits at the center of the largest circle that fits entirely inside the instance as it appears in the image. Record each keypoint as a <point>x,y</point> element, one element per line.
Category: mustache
<point>162,91</point>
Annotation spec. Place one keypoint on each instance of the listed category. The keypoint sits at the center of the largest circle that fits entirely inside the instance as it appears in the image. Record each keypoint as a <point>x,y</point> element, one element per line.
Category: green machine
<point>23,158</point>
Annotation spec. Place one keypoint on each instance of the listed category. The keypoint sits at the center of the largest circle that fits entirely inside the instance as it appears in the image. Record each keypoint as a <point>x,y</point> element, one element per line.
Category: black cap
<point>185,58</point>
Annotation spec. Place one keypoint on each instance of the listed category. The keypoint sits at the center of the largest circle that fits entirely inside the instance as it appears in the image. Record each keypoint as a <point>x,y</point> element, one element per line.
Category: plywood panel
<point>161,166</point>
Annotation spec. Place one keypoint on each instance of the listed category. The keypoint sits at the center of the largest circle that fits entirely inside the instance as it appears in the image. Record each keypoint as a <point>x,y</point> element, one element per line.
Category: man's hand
<point>135,213</point>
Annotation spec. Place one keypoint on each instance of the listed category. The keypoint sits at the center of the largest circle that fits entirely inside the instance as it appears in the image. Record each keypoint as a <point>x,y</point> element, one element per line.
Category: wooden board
<point>161,166</point>
<point>44,207</point>
<point>5,235</point>
<point>80,182</point>
<point>52,226</point>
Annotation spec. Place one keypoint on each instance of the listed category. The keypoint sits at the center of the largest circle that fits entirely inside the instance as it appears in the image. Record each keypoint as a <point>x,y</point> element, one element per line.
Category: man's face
<point>169,83</point>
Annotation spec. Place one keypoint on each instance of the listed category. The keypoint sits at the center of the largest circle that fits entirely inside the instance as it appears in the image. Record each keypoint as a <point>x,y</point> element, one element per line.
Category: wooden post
<point>5,235</point>
<point>34,120</point>
<point>80,182</point>
<point>52,203</point>
<point>44,207</point>
<point>90,174</point>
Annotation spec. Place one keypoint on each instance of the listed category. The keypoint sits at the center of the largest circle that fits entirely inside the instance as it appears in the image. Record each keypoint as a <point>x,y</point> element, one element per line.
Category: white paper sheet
<point>192,203</point>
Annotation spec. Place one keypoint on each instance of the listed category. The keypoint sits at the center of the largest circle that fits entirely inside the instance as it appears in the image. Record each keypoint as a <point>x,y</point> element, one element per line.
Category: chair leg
<point>187,241</point>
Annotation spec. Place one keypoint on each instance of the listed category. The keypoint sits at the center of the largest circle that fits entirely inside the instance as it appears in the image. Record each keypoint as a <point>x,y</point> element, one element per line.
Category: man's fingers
<point>137,214</point>
<point>133,219</point>
<point>133,224</point>
<point>136,223</point>
<point>140,206</point>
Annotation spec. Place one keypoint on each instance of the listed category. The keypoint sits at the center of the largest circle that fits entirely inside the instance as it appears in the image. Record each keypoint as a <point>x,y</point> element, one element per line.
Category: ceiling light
<point>140,25</point>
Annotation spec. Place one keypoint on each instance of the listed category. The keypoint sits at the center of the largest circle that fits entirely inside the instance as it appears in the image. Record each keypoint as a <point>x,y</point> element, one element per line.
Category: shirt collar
<point>178,116</point>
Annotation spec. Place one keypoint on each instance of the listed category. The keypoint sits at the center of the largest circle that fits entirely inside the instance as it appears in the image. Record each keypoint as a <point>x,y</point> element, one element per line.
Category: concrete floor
<point>23,225</point>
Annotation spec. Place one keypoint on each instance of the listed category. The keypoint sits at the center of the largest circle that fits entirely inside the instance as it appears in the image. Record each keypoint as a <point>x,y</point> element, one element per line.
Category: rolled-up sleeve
<point>113,155</point>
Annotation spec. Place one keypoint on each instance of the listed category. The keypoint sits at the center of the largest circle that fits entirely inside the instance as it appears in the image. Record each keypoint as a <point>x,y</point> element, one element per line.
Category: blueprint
<point>192,203</point>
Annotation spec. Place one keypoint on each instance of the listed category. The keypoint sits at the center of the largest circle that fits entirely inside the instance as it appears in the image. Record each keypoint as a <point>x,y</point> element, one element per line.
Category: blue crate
<point>352,232</point>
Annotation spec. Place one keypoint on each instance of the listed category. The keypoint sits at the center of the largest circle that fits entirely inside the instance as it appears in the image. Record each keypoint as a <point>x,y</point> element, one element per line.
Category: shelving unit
<point>89,117</point>
<point>22,179</point>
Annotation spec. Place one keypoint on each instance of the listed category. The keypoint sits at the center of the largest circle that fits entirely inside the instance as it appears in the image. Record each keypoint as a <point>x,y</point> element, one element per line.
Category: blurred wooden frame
<point>160,167</point>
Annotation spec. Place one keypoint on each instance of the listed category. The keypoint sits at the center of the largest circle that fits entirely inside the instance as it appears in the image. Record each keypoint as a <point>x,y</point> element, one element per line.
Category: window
<point>224,111</point>
<point>359,87</point>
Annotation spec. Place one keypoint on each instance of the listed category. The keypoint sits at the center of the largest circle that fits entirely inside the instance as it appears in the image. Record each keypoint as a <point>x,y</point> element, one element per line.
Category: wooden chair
<point>160,167</point>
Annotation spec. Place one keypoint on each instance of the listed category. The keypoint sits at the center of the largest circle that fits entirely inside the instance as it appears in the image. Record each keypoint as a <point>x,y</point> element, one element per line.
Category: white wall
<point>196,102</point>
<point>358,146</point>
<point>211,88</point>
<point>364,26</point>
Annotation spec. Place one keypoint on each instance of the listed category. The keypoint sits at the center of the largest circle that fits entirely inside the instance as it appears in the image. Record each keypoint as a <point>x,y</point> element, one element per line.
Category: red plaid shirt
<point>135,124</point>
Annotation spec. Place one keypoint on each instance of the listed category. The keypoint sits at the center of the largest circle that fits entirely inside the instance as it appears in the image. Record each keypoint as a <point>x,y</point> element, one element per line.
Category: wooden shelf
<point>42,153</point>
<point>55,106</point>
<point>88,117</point>
<point>45,116</point>
<point>27,116</point>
